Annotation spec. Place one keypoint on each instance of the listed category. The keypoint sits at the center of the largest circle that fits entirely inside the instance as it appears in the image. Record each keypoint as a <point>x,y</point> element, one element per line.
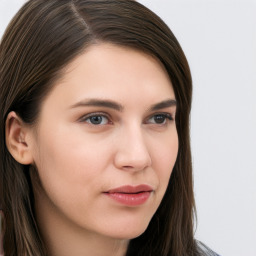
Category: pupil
<point>159,119</point>
<point>96,119</point>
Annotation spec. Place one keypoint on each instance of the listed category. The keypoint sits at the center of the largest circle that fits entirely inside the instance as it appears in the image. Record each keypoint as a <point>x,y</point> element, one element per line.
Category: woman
<point>95,153</point>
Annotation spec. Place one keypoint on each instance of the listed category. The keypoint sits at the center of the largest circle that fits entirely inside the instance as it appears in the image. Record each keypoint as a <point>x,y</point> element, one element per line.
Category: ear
<point>17,135</point>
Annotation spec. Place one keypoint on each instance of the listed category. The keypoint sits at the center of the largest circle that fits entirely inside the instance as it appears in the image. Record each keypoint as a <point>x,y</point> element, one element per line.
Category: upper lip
<point>130,189</point>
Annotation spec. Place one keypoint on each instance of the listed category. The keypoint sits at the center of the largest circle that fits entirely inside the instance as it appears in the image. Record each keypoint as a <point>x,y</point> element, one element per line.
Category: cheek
<point>68,173</point>
<point>165,150</point>
<point>67,166</point>
<point>165,157</point>
<point>67,151</point>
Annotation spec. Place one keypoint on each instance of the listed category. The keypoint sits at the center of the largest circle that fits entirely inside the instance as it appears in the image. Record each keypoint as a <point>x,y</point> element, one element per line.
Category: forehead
<point>121,56</point>
<point>110,71</point>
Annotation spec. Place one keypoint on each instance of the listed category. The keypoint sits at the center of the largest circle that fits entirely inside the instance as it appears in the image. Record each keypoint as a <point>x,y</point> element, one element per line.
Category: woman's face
<point>105,143</point>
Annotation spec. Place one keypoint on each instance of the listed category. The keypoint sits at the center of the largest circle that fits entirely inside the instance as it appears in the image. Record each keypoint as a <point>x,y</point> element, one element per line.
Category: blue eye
<point>96,119</point>
<point>160,119</point>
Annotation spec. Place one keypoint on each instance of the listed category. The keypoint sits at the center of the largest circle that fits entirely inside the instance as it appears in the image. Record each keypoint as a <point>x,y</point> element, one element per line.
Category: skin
<point>79,157</point>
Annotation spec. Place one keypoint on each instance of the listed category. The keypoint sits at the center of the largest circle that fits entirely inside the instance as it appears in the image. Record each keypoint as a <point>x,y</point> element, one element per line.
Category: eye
<point>162,118</point>
<point>95,119</point>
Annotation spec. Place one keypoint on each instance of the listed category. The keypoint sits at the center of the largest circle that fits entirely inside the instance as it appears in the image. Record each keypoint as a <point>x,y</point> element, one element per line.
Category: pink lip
<point>130,195</point>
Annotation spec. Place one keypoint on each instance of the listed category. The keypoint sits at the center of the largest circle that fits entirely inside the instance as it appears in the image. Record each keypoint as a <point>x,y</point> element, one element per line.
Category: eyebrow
<point>99,103</point>
<point>116,106</point>
<point>164,104</point>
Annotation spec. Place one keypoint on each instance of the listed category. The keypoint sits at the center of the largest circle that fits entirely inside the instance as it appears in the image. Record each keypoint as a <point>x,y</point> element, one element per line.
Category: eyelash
<point>97,114</point>
<point>167,118</point>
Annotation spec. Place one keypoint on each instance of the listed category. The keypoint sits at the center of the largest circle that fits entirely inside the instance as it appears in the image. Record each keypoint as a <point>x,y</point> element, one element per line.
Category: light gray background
<point>219,40</point>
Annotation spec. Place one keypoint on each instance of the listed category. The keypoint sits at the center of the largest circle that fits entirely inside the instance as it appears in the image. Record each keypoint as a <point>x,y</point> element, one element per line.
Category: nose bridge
<point>132,151</point>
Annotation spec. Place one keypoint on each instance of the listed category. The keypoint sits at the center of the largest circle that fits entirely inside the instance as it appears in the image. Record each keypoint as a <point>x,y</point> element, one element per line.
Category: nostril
<point>128,167</point>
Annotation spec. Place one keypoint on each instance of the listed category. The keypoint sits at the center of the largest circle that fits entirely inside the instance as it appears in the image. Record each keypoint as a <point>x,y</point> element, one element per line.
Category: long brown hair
<point>43,37</point>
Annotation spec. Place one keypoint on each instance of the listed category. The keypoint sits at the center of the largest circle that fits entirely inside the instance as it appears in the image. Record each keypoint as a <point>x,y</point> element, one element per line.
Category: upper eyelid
<point>162,113</point>
<point>84,117</point>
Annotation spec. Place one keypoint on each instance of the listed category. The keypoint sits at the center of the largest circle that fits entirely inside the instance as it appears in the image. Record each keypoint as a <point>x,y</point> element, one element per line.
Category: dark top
<point>205,250</point>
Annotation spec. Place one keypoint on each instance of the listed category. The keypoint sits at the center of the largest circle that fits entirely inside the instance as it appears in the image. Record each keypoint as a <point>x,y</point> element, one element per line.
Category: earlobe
<point>16,135</point>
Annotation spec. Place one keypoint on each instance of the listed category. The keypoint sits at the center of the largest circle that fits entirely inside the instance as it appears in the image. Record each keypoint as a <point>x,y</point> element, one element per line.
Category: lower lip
<point>130,199</point>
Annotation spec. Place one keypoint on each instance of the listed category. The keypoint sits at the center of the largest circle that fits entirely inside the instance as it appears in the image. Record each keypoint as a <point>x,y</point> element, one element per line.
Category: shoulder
<point>205,250</point>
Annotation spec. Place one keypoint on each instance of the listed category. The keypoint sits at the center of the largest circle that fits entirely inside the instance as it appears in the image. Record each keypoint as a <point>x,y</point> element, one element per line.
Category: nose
<point>132,152</point>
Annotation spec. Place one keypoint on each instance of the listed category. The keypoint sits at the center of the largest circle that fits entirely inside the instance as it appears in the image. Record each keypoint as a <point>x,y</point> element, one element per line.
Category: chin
<point>129,232</point>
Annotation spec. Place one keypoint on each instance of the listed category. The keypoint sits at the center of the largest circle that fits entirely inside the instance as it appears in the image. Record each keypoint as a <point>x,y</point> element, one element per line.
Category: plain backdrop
<point>219,40</point>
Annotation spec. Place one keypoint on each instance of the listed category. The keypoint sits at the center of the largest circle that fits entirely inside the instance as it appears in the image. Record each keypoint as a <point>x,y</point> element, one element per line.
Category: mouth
<point>130,195</point>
